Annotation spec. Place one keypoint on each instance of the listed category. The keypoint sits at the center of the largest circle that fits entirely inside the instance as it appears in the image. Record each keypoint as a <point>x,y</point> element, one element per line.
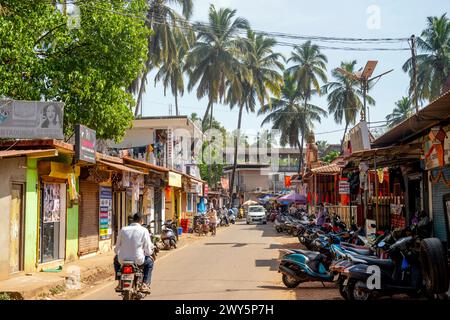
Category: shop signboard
<point>359,137</point>
<point>85,143</point>
<point>344,187</point>
<point>174,179</point>
<point>105,213</point>
<point>31,119</point>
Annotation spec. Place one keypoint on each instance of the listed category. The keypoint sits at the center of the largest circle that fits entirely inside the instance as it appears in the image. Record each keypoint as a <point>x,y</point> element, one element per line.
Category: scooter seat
<point>382,263</point>
<point>311,255</point>
<point>363,252</point>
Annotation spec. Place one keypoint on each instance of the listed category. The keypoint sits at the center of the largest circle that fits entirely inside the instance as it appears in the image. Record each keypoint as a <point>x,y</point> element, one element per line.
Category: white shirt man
<point>134,244</point>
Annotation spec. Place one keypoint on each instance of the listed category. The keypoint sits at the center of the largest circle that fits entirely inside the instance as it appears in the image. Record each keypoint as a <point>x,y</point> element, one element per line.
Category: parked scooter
<point>202,225</point>
<point>416,267</point>
<point>155,239</point>
<point>168,236</point>
<point>232,216</point>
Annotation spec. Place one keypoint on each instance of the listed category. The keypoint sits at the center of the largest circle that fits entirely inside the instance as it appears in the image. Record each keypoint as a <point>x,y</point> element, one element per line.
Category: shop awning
<point>120,167</point>
<point>329,169</point>
<point>143,164</point>
<point>41,153</point>
<point>388,156</point>
<point>434,113</point>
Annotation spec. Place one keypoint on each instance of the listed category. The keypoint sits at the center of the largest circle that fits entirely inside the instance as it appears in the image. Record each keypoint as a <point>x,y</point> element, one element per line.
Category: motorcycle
<point>168,235</point>
<point>415,267</point>
<point>223,220</point>
<point>154,238</point>
<point>232,216</point>
<point>202,225</point>
<point>131,278</point>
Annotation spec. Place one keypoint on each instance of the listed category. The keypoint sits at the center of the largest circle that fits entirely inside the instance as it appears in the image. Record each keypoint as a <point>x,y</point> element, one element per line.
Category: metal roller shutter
<point>88,218</point>
<point>439,190</point>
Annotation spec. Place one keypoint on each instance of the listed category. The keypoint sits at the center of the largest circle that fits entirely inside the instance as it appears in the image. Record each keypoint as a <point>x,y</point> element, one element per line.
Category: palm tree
<point>167,25</point>
<point>433,65</point>
<point>309,67</point>
<point>171,73</point>
<point>401,112</point>
<point>289,115</point>
<point>213,61</point>
<point>322,146</point>
<point>344,96</point>
<point>259,77</point>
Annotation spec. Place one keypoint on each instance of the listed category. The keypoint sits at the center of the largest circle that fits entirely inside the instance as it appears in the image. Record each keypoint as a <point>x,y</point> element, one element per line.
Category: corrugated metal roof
<point>435,112</point>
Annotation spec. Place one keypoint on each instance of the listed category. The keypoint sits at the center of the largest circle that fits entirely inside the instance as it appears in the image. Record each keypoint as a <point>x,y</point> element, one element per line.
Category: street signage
<point>344,187</point>
<point>359,137</point>
<point>105,213</point>
<point>174,179</point>
<point>31,119</point>
<point>85,143</point>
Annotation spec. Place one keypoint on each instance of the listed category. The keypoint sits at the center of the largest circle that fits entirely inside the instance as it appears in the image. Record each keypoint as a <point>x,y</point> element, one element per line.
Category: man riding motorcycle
<point>134,243</point>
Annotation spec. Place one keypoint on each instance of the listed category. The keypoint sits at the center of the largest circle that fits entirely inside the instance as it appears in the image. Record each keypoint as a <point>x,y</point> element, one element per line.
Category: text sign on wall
<point>105,221</point>
<point>344,187</point>
<point>85,143</point>
<point>31,119</point>
<point>174,179</point>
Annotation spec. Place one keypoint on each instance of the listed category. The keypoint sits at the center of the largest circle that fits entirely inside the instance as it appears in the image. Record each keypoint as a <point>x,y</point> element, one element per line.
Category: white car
<point>256,214</point>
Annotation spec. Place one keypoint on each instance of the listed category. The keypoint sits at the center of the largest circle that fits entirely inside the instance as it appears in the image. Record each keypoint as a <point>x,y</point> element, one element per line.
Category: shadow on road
<point>272,264</point>
<point>235,244</point>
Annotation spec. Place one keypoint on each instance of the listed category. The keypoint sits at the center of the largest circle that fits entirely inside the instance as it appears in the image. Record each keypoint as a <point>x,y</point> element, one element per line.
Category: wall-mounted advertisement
<point>105,213</point>
<point>31,119</point>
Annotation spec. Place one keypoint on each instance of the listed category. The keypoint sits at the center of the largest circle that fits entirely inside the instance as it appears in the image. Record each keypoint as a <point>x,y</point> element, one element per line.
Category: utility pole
<point>170,109</point>
<point>414,66</point>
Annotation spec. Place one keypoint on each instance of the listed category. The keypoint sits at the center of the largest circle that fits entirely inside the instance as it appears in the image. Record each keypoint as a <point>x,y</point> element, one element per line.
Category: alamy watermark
<point>374,19</point>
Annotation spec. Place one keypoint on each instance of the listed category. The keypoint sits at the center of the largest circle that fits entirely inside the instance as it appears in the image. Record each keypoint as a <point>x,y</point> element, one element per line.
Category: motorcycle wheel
<point>355,292</point>
<point>127,295</point>
<point>173,244</point>
<point>343,291</point>
<point>290,282</point>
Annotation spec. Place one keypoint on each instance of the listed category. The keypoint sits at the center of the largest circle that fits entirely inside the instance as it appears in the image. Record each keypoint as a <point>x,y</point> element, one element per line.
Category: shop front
<point>173,196</point>
<point>56,223</point>
<point>437,163</point>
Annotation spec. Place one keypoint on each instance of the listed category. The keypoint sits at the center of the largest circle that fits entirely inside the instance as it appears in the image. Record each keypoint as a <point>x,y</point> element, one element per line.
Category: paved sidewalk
<point>42,285</point>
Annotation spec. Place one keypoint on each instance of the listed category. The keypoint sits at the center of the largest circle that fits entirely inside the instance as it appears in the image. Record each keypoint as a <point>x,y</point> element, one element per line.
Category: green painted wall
<point>31,217</point>
<point>72,232</point>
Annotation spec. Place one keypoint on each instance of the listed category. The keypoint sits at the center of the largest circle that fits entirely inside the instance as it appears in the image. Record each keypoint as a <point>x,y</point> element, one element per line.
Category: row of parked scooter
<point>401,261</point>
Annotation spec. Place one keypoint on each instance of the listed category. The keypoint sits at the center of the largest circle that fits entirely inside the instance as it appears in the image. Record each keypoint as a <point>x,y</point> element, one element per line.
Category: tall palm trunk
<point>176,103</point>
<point>141,92</point>
<point>343,137</point>
<point>205,116</point>
<point>233,173</point>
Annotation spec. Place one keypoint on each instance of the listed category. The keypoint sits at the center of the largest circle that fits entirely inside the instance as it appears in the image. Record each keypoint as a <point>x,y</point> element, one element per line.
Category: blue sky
<point>344,18</point>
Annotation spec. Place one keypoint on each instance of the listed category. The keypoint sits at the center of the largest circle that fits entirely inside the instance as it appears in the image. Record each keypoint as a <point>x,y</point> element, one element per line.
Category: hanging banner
<point>31,119</point>
<point>105,213</point>
<point>225,183</point>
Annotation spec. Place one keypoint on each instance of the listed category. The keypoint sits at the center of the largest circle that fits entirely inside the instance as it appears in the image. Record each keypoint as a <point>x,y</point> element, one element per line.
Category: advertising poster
<point>52,201</point>
<point>31,119</point>
<point>105,214</point>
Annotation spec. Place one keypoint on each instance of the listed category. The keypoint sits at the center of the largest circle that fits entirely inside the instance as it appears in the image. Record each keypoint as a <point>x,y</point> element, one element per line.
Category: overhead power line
<point>197,26</point>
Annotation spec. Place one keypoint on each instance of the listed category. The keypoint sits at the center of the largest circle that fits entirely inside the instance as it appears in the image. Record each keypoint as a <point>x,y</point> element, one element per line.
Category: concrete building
<point>254,178</point>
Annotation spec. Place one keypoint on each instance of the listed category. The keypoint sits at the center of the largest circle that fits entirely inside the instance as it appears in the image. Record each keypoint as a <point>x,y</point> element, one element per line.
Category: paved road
<point>239,263</point>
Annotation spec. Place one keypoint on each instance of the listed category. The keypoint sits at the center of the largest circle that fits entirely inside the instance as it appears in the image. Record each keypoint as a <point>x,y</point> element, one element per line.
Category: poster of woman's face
<point>50,117</point>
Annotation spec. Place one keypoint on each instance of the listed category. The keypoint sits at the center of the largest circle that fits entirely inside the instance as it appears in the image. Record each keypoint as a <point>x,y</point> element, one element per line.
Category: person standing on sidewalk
<point>134,243</point>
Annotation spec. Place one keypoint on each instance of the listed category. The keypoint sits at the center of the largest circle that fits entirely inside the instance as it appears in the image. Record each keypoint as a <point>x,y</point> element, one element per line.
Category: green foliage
<point>402,111</point>
<point>5,296</point>
<point>433,60</point>
<point>87,67</point>
<point>331,156</point>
